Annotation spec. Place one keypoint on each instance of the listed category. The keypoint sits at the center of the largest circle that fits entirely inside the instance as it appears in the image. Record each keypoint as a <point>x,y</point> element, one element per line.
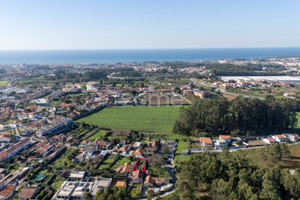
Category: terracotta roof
<point>120,183</point>
<point>270,139</point>
<point>159,180</point>
<point>206,140</point>
<point>138,174</point>
<point>28,192</point>
<point>85,142</point>
<point>7,190</point>
<point>137,152</point>
<point>122,149</point>
<point>149,179</point>
<point>224,137</point>
<point>285,135</point>
<point>3,154</point>
<point>99,143</point>
<point>127,167</point>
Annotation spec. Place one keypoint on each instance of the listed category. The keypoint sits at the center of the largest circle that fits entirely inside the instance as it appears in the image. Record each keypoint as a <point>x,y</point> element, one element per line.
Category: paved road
<point>162,194</point>
<point>16,132</point>
<point>231,150</point>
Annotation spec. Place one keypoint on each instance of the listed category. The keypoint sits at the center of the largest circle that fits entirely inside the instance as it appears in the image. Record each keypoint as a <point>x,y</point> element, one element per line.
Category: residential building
<point>227,138</point>
<point>71,190</point>
<point>7,192</point>
<point>28,193</point>
<point>77,176</point>
<point>278,138</point>
<point>206,142</point>
<point>294,137</point>
<point>221,143</point>
<point>13,150</point>
<point>269,140</point>
<point>290,95</point>
<point>57,127</point>
<point>101,145</point>
<point>136,177</point>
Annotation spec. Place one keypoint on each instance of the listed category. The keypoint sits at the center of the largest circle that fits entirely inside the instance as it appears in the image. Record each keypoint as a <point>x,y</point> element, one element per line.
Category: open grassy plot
<point>159,172</point>
<point>65,160</point>
<point>182,145</point>
<point>108,161</point>
<point>97,135</point>
<point>254,157</point>
<point>151,119</point>
<point>182,158</point>
<point>121,161</point>
<point>298,117</point>
<point>3,83</point>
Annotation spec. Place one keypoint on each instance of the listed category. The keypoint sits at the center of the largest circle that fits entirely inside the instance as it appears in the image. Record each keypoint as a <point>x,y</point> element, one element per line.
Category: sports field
<point>150,119</point>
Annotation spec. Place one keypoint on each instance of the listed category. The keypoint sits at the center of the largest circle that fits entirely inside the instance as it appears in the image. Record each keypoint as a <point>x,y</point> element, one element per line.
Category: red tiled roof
<point>127,167</point>
<point>28,192</point>
<point>7,190</point>
<point>224,137</point>
<point>206,140</point>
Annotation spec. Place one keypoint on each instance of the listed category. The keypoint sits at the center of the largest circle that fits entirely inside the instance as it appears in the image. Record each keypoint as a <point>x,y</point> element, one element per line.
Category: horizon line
<point>144,49</point>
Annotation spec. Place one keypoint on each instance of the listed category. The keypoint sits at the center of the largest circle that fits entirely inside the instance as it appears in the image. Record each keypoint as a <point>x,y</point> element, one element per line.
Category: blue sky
<point>148,24</point>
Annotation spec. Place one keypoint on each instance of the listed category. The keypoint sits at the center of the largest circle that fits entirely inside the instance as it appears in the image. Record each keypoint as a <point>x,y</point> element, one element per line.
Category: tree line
<point>220,69</point>
<point>239,116</point>
<point>231,176</point>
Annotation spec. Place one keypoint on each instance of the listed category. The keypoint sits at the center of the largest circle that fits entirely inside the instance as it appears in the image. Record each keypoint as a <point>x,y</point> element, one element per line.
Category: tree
<point>158,197</point>
<point>275,151</point>
<point>285,150</point>
<point>220,189</point>
<point>269,190</point>
<point>165,149</point>
<point>88,196</point>
<point>172,197</point>
<point>150,194</point>
<point>188,196</point>
<point>246,115</point>
<point>156,160</point>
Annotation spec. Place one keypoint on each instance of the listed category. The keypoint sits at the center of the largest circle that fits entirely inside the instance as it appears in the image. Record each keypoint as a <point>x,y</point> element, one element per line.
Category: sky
<point>148,24</point>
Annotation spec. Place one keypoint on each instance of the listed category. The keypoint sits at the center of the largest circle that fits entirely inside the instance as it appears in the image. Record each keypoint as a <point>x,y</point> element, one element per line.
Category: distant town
<point>78,131</point>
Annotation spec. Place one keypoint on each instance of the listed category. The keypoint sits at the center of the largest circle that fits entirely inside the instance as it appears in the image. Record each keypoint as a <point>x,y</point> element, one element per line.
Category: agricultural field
<point>148,119</point>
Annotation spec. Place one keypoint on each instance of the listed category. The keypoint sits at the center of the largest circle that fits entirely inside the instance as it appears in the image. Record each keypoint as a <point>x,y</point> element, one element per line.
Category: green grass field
<point>149,119</point>
<point>298,117</point>
<point>108,161</point>
<point>120,162</point>
<point>3,83</point>
<point>98,135</point>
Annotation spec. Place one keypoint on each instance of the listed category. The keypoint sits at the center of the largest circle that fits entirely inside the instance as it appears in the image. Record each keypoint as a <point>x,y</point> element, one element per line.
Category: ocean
<point>123,56</point>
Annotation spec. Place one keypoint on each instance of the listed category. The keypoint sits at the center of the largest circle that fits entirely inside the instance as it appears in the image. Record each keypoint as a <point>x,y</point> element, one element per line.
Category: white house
<point>221,143</point>
<point>269,140</point>
<point>294,137</point>
<point>227,138</point>
<point>290,95</point>
<point>278,138</point>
